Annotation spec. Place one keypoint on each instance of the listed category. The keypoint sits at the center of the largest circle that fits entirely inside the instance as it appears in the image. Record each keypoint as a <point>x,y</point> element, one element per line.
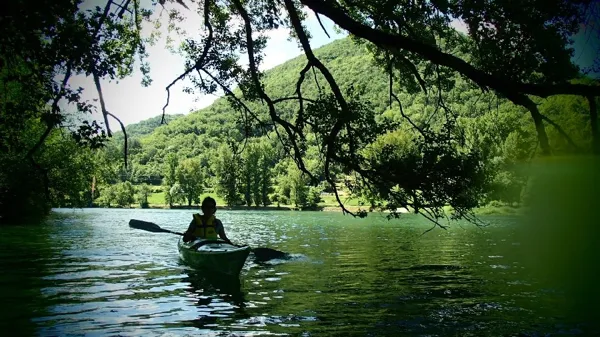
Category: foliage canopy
<point>518,52</point>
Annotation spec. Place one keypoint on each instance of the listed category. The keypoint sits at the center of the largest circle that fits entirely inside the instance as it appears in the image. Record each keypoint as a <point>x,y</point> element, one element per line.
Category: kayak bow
<point>216,255</point>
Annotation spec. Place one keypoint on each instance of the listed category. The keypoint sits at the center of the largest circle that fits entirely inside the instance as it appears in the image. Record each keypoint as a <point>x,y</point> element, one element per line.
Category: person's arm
<point>222,234</point>
<point>187,235</point>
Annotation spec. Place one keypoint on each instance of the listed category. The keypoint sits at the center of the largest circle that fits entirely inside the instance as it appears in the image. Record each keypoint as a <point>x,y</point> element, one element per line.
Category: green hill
<point>501,130</point>
<point>145,127</point>
<point>193,134</point>
<point>198,132</point>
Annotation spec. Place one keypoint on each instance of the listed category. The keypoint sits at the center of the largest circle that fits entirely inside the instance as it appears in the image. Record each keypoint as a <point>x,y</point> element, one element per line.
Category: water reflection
<point>209,286</point>
<point>216,296</point>
<point>25,255</point>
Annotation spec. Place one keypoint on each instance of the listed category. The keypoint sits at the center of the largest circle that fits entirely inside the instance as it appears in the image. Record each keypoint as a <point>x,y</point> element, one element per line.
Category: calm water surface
<point>86,273</point>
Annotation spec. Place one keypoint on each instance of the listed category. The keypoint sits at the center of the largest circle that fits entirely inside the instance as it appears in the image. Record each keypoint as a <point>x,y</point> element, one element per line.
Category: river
<point>86,273</point>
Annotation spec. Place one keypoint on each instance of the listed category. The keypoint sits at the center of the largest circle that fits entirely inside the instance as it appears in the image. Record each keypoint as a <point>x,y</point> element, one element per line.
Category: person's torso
<point>205,228</point>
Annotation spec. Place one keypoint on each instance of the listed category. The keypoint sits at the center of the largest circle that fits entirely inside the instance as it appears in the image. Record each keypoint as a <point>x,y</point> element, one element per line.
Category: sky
<point>587,43</point>
<point>132,103</point>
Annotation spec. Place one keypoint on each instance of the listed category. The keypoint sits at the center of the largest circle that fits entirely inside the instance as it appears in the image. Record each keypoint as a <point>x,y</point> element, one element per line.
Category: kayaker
<point>206,226</point>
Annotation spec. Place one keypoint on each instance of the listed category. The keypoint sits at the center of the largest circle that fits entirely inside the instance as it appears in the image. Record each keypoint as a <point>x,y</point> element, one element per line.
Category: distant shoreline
<point>486,210</point>
<point>245,208</point>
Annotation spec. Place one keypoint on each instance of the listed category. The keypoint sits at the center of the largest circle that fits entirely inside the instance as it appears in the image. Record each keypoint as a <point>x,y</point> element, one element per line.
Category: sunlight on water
<point>85,272</point>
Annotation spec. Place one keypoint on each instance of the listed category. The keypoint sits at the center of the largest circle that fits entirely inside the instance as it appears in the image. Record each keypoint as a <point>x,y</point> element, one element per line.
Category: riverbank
<point>328,204</point>
<point>485,210</point>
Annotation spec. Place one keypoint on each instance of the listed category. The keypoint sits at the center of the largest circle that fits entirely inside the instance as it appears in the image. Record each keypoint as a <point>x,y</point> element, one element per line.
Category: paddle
<point>149,227</point>
<point>259,253</point>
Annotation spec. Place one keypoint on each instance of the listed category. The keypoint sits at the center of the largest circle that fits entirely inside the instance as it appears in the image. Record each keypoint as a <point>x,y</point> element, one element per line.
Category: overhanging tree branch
<point>102,104</point>
<point>317,80</point>
<point>55,110</point>
<point>293,98</point>
<point>337,127</point>
<point>124,8</point>
<point>388,40</point>
<point>125,137</point>
<point>528,104</point>
<point>413,69</point>
<point>102,19</point>
<point>61,93</point>
<point>321,24</point>
<point>289,128</point>
<point>230,93</point>
<point>200,62</point>
<point>561,131</point>
<point>514,91</point>
<point>300,119</point>
<point>420,130</point>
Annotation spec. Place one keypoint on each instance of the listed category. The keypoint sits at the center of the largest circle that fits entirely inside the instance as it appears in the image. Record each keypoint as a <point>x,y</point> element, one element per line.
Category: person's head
<point>209,206</point>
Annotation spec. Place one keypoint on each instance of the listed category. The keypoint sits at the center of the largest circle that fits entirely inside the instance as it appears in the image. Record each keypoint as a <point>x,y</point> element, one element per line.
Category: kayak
<point>216,255</point>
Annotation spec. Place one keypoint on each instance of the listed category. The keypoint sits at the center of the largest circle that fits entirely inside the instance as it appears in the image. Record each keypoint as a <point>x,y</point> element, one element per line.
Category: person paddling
<point>206,226</point>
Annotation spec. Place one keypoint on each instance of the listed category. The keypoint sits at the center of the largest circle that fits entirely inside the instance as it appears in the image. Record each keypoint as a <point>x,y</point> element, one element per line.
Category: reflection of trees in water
<point>28,253</point>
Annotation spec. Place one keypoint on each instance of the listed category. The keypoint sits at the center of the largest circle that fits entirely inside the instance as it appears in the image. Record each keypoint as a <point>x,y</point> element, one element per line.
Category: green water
<point>86,273</point>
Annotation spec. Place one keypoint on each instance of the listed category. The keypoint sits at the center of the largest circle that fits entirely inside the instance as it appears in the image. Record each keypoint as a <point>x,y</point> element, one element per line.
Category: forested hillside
<point>144,127</point>
<point>240,158</point>
<point>407,113</point>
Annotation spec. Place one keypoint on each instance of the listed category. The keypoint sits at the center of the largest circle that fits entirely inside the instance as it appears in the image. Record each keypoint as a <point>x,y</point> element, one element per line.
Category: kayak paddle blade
<point>148,226</point>
<point>265,254</point>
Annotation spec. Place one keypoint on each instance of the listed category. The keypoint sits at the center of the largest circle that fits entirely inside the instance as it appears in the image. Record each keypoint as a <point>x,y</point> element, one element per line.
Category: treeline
<point>245,164</point>
<point>254,175</point>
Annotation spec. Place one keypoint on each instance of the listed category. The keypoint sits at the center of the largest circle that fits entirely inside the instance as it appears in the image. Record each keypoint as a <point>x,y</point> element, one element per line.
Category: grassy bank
<point>498,210</point>
<point>328,204</point>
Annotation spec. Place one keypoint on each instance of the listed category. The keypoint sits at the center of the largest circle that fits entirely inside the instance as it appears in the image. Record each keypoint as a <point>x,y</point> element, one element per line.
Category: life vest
<point>205,229</point>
